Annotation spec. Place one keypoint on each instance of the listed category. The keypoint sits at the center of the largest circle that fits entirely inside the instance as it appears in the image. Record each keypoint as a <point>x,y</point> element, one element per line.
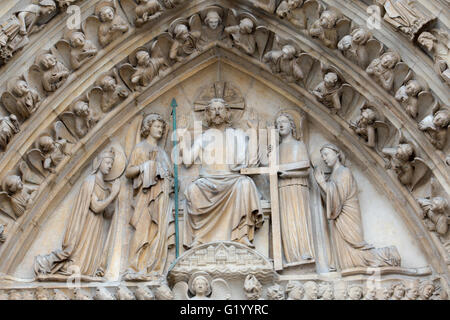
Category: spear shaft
<point>175,160</point>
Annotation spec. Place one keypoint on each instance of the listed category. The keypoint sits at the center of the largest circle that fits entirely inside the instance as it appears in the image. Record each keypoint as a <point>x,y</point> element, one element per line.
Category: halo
<point>217,9</point>
<point>177,22</point>
<point>298,120</point>
<point>198,274</point>
<point>249,16</point>
<point>119,165</point>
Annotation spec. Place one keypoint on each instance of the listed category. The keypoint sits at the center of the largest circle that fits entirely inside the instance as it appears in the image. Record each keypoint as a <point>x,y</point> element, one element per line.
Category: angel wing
<point>35,80</point>
<point>220,290</point>
<point>133,136</point>
<point>307,64</point>
<point>262,35</point>
<point>279,43</point>
<point>28,175</point>
<point>427,104</point>
<point>10,102</point>
<point>126,71</point>
<point>90,27</point>
<point>312,10</point>
<point>232,18</point>
<point>61,132</point>
<point>343,27</point>
<point>180,291</point>
<point>195,24</point>
<point>350,99</point>
<point>422,173</point>
<point>374,50</point>
<point>161,47</point>
<point>36,159</point>
<point>129,8</point>
<point>63,51</point>
<point>5,205</point>
<point>68,118</point>
<point>383,132</point>
<point>95,98</point>
<point>402,74</point>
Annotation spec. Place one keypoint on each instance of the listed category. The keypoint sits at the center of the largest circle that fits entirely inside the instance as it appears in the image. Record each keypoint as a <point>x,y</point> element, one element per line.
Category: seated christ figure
<point>221,204</point>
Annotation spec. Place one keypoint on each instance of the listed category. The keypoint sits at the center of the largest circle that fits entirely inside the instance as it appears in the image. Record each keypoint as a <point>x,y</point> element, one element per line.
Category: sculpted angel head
<point>360,36</point>
<point>181,31</point>
<point>427,40</point>
<point>413,88</point>
<point>246,25</point>
<point>331,80</point>
<point>12,184</point>
<point>46,144</point>
<point>292,4</point>
<point>46,7</point>
<point>20,87</point>
<point>153,125</point>
<point>390,59</point>
<point>108,83</point>
<point>213,19</point>
<point>328,19</point>
<point>200,286</point>
<point>345,43</point>
<point>442,118</point>
<point>289,52</point>
<point>143,58</point>
<point>405,152</point>
<point>106,14</point>
<point>46,61</point>
<point>77,39</point>
<point>81,109</point>
<point>368,116</point>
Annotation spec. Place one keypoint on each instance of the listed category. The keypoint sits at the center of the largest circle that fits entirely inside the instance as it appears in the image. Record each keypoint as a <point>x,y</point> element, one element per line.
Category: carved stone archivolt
<point>125,54</point>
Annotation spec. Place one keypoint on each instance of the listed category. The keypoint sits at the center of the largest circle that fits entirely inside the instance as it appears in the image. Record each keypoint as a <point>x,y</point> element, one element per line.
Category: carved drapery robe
<point>403,16</point>
<point>223,204</point>
<point>153,210</point>
<point>86,242</point>
<point>342,206</point>
<point>295,210</point>
<point>10,36</point>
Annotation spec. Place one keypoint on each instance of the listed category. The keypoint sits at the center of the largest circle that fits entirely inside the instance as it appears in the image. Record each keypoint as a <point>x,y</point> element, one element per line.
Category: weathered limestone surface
<point>347,127</point>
